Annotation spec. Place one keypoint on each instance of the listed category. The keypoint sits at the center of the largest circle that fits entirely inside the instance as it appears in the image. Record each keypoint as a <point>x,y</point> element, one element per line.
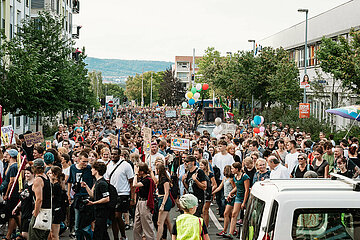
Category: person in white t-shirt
<point>278,171</point>
<point>220,160</point>
<point>150,159</point>
<point>291,159</point>
<point>120,174</point>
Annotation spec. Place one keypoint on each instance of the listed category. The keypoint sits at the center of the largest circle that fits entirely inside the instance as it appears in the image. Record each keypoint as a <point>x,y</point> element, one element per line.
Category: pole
<point>151,89</point>
<point>252,95</point>
<point>305,65</point>
<point>193,82</point>
<point>142,88</point>
<point>0,120</point>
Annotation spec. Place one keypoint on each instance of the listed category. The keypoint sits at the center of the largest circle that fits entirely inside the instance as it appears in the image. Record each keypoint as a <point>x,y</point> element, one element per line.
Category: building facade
<point>333,23</point>
<point>183,69</point>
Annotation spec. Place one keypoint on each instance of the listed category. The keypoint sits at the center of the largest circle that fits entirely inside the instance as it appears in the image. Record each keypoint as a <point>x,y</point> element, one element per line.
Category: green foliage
<point>114,90</point>
<point>171,89</point>
<point>133,87</point>
<point>342,60</point>
<point>40,77</point>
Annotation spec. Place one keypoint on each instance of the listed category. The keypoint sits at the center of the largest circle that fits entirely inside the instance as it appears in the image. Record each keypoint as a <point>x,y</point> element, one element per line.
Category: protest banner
<point>185,112</point>
<point>33,138</point>
<point>228,128</point>
<point>7,135</point>
<point>180,144</point>
<point>170,114</point>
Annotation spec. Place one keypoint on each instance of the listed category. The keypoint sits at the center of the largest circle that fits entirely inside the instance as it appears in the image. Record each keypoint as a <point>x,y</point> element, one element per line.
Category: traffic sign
<point>111,103</point>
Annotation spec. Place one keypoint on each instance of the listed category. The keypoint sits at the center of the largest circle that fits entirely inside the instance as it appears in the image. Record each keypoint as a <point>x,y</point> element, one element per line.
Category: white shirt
<point>153,158</point>
<point>121,176</point>
<point>72,144</point>
<point>291,161</point>
<point>279,172</point>
<point>221,161</point>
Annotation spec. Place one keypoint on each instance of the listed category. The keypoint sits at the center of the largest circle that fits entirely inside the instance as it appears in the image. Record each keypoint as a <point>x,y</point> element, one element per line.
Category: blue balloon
<point>253,124</point>
<point>257,120</point>
<point>191,101</point>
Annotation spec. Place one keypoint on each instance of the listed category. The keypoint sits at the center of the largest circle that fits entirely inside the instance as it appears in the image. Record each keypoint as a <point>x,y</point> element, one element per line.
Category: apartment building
<point>183,69</point>
<point>333,23</point>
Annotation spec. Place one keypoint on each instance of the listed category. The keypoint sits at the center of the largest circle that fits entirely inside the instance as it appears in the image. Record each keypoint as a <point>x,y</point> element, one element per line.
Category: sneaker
<point>222,233</point>
<point>127,227</point>
<point>220,219</point>
<point>228,235</point>
<point>240,222</point>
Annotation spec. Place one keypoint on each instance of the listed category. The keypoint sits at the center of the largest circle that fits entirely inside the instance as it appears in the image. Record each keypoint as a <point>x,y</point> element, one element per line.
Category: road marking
<point>214,219</point>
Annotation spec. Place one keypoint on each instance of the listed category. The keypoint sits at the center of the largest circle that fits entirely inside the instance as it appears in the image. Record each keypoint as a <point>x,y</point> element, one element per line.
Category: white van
<point>303,209</point>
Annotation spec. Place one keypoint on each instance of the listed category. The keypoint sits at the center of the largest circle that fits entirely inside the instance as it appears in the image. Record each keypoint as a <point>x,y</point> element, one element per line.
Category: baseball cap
<point>12,152</point>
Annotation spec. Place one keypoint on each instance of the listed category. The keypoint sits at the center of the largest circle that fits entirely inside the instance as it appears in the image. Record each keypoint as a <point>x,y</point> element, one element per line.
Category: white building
<point>331,24</point>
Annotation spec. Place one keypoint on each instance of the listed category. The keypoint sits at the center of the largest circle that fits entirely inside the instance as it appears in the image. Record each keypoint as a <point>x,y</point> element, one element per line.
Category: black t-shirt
<point>237,158</point>
<point>193,187</point>
<point>144,190</point>
<point>299,173</point>
<point>27,202</point>
<point>161,189</point>
<point>204,229</point>
<point>250,173</point>
<point>56,192</point>
<point>101,190</point>
<point>11,173</point>
<point>356,161</point>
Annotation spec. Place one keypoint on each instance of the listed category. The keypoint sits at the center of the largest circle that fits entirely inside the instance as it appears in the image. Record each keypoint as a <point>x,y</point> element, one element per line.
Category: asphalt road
<point>214,225</point>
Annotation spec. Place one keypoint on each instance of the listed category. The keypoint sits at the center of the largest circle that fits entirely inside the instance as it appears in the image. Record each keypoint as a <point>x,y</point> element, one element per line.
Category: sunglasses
<point>300,158</point>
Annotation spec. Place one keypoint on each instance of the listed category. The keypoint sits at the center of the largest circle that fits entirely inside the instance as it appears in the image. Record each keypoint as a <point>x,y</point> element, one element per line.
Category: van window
<point>253,216</point>
<point>326,224</point>
<point>272,220</point>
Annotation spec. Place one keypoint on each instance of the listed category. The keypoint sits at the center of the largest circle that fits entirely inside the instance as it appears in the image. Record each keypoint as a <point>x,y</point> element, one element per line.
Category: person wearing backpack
<point>100,196</point>
<point>301,168</point>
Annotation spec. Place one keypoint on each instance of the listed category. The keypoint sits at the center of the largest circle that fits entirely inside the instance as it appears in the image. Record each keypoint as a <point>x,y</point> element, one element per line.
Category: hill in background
<point>117,70</point>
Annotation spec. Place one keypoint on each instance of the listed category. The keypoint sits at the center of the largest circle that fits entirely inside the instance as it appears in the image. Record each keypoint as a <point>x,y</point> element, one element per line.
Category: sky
<point>162,29</point>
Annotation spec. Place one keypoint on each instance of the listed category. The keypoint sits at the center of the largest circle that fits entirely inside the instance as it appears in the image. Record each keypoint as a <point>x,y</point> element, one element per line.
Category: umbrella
<point>350,112</point>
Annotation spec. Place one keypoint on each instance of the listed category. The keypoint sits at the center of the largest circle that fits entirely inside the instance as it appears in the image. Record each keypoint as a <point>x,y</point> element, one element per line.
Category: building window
<point>17,122</point>
<point>301,57</point>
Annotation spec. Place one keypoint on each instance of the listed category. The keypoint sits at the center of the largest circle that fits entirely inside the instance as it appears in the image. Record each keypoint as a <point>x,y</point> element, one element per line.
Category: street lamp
<point>306,11</point>
<point>252,96</point>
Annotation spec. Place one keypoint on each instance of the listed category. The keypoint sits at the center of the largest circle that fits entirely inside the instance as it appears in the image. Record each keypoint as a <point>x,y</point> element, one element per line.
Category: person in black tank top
<point>42,191</point>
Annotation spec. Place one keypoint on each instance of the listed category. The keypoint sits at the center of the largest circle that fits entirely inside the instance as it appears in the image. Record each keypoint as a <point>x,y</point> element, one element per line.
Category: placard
<point>119,123</point>
<point>170,114</point>
<point>305,82</point>
<point>304,110</point>
<point>48,144</point>
<point>33,138</point>
<point>228,128</point>
<point>185,112</point>
<point>180,144</point>
<point>7,135</point>
<point>147,139</point>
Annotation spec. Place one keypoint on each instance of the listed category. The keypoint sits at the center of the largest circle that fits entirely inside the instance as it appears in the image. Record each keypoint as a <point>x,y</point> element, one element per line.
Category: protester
<point>321,166</point>
<point>278,171</point>
<point>262,172</point>
<point>301,168</point>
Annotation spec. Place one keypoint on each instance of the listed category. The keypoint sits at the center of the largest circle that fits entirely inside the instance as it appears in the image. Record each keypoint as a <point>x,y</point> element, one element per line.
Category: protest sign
<point>228,128</point>
<point>119,123</point>
<point>48,144</point>
<point>33,138</point>
<point>304,110</point>
<point>185,112</point>
<point>170,114</point>
<point>180,144</point>
<point>7,135</point>
<point>147,139</point>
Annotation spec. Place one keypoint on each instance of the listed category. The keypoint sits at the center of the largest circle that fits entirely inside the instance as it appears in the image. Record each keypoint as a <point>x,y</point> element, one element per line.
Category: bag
<point>43,220</point>
<point>208,190</point>
<point>217,174</point>
<point>76,187</point>
<point>172,200</point>
<point>113,195</point>
<point>174,186</point>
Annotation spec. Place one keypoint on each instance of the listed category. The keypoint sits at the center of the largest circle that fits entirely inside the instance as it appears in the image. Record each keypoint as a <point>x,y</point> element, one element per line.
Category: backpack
<point>113,196</point>
<point>208,190</point>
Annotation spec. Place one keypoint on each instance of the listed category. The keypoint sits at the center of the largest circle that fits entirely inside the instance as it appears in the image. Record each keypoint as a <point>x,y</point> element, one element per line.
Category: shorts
<point>10,205</point>
<point>168,203</point>
<point>238,200</point>
<point>123,204</point>
<point>58,216</point>
<point>25,223</point>
<point>231,203</point>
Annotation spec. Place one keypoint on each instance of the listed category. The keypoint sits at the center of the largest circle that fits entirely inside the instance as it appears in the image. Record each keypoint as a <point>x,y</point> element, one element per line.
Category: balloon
<point>262,129</point>
<point>253,124</point>
<point>184,105</point>
<point>186,96</point>
<point>262,119</point>
<point>191,101</point>
<point>196,95</point>
<point>256,130</point>
<point>189,95</point>
<point>193,90</point>
<point>257,120</point>
<point>198,87</point>
<point>205,86</point>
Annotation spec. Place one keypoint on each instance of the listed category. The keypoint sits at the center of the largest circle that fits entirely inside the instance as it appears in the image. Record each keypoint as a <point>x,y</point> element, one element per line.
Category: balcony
<point>77,34</point>
<point>183,68</point>
<point>76,7</point>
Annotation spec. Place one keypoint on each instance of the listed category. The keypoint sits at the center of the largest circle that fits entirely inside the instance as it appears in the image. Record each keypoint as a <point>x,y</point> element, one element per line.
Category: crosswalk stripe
<point>214,219</point>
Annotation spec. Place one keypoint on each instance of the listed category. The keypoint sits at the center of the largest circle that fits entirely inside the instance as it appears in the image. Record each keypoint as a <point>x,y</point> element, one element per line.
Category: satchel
<point>43,220</point>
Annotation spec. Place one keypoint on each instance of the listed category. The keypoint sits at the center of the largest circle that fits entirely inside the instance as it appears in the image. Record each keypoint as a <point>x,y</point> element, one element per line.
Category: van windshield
<point>252,219</point>
<point>326,224</point>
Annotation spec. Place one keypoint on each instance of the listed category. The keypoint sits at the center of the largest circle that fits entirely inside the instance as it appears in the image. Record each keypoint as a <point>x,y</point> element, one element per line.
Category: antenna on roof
<point>355,184</point>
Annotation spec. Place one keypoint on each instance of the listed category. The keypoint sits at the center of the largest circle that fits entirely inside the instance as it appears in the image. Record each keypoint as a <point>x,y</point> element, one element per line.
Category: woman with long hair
<point>281,152</point>
<point>231,150</point>
<point>165,202</point>
<point>321,166</point>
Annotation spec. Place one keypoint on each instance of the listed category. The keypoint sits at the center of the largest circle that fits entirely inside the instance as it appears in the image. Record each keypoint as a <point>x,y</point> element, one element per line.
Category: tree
<point>113,89</point>
<point>40,76</point>
<point>342,60</point>
<point>171,89</point>
<point>96,81</point>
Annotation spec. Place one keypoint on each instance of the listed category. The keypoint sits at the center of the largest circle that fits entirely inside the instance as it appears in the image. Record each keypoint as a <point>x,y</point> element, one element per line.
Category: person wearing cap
<point>13,198</point>
<point>278,171</point>
<point>188,226</point>
<point>42,190</point>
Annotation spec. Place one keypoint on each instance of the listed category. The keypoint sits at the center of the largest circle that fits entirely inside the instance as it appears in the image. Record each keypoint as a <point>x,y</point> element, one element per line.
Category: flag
<point>224,106</point>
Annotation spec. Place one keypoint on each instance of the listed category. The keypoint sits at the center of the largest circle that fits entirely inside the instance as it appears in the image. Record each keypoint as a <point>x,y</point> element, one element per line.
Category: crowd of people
<point>97,174</point>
